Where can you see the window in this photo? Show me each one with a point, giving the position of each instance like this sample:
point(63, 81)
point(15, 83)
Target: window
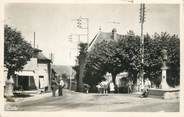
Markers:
point(41, 76)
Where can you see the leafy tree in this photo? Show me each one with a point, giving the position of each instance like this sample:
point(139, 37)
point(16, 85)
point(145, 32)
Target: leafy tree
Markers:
point(124, 55)
point(16, 51)
point(129, 53)
point(114, 56)
point(80, 67)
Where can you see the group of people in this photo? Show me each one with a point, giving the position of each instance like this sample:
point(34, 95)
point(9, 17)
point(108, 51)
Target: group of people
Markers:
point(104, 86)
point(57, 85)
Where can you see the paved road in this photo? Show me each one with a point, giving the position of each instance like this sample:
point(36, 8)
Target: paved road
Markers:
point(72, 101)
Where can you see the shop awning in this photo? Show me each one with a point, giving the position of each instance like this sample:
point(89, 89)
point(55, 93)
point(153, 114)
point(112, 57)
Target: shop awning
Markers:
point(122, 75)
point(25, 73)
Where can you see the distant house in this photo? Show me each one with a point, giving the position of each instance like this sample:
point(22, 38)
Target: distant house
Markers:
point(104, 36)
point(36, 74)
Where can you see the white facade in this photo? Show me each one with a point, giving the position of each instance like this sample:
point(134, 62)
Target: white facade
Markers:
point(43, 76)
point(34, 74)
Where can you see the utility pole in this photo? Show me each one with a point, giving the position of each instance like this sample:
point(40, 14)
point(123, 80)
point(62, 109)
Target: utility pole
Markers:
point(50, 69)
point(34, 41)
point(142, 20)
point(70, 37)
point(52, 57)
point(83, 23)
point(115, 23)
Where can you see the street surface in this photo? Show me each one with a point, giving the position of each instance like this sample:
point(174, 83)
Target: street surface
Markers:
point(74, 101)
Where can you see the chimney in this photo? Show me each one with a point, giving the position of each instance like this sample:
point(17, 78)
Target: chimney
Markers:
point(100, 29)
point(114, 34)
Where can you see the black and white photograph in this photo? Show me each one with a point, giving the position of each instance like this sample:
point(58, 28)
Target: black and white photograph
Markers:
point(74, 57)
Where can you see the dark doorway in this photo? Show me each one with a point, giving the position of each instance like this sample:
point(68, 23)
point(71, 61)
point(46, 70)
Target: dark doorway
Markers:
point(23, 82)
point(26, 83)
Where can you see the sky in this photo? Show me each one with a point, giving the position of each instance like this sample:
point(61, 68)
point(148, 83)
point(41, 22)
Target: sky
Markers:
point(53, 23)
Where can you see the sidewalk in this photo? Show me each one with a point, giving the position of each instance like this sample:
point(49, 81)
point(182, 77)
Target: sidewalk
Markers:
point(13, 105)
point(33, 97)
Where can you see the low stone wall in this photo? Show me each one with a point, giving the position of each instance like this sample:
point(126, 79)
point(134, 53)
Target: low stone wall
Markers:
point(165, 93)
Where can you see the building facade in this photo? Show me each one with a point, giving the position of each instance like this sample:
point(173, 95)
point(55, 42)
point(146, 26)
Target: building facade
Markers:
point(35, 76)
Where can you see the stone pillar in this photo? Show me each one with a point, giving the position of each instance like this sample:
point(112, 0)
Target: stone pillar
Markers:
point(164, 84)
point(9, 87)
point(164, 68)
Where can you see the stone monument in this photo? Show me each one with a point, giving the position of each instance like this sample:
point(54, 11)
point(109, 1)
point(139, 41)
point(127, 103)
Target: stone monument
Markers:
point(164, 68)
point(165, 91)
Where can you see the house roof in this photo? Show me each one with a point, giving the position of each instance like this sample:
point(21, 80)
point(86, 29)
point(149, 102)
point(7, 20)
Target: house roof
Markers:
point(40, 56)
point(107, 36)
point(37, 50)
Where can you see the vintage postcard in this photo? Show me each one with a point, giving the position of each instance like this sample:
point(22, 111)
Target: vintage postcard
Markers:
point(92, 56)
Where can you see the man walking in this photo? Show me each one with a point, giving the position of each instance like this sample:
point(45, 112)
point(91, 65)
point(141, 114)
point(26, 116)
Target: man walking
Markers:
point(130, 85)
point(146, 87)
point(61, 86)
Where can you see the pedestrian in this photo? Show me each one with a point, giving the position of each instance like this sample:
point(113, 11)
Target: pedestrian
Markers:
point(145, 92)
point(111, 87)
point(130, 85)
point(138, 85)
point(86, 88)
point(104, 85)
point(54, 86)
point(147, 85)
point(61, 86)
point(98, 88)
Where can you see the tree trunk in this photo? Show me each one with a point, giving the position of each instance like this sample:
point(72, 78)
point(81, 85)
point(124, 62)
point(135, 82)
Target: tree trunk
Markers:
point(77, 84)
point(81, 72)
point(114, 81)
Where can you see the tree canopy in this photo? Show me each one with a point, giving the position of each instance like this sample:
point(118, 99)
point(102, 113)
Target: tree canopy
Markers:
point(114, 57)
point(16, 50)
point(120, 55)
